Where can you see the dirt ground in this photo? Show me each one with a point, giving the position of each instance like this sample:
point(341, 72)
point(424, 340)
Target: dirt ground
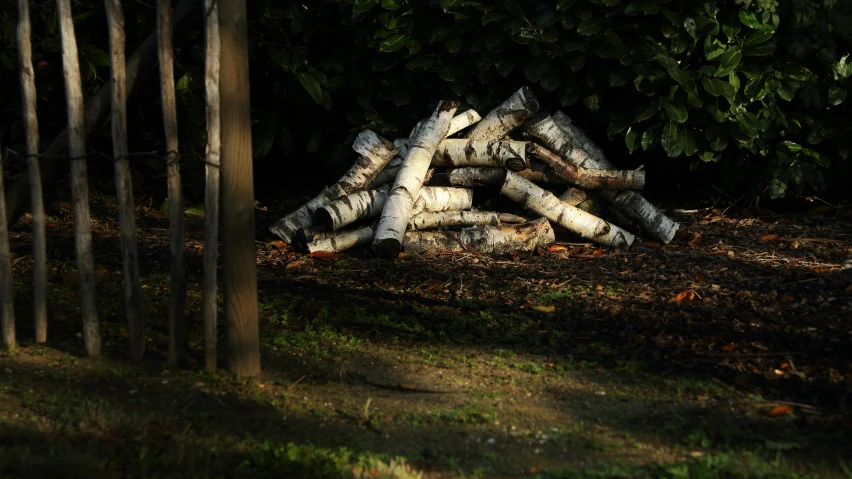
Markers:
point(727, 353)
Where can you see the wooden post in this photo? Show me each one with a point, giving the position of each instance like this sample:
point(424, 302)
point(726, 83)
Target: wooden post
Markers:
point(177, 290)
point(28, 95)
point(79, 181)
point(239, 269)
point(211, 196)
point(7, 305)
point(123, 183)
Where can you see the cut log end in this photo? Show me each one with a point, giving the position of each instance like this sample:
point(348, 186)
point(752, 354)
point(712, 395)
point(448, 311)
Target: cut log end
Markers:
point(387, 248)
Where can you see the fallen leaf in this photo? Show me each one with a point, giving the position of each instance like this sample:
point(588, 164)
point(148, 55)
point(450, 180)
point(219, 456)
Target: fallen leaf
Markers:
point(545, 309)
point(278, 244)
point(409, 386)
point(787, 298)
point(532, 470)
point(780, 410)
point(652, 244)
point(324, 255)
point(296, 264)
point(770, 237)
point(558, 248)
point(729, 347)
point(685, 296)
point(598, 252)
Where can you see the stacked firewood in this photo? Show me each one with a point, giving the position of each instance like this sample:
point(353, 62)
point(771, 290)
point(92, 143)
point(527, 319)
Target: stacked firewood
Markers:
point(415, 194)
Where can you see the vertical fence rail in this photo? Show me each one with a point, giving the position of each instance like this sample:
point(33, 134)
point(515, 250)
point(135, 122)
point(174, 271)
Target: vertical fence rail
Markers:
point(28, 96)
point(211, 197)
point(7, 305)
point(79, 182)
point(123, 182)
point(177, 292)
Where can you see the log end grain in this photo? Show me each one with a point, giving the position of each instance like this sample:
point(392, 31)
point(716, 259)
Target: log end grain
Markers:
point(387, 248)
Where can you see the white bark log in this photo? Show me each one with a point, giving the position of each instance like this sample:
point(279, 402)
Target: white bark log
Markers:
point(632, 204)
point(370, 203)
point(388, 175)
point(483, 238)
point(178, 339)
point(342, 241)
point(575, 220)
point(28, 97)
point(573, 196)
point(7, 303)
point(389, 234)
point(124, 183)
point(427, 220)
point(462, 121)
point(469, 177)
point(578, 138)
point(511, 114)
point(586, 178)
point(209, 305)
point(79, 181)
point(508, 154)
point(376, 154)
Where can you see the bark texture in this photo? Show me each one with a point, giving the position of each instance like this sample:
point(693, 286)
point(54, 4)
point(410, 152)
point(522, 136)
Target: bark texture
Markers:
point(79, 181)
point(389, 233)
point(177, 290)
point(124, 184)
point(376, 152)
point(511, 114)
point(462, 121)
point(539, 172)
point(469, 177)
point(7, 303)
point(209, 307)
point(28, 97)
point(339, 242)
point(508, 154)
point(483, 238)
point(97, 106)
point(239, 255)
point(632, 204)
point(429, 220)
point(573, 219)
point(586, 178)
point(573, 196)
point(442, 198)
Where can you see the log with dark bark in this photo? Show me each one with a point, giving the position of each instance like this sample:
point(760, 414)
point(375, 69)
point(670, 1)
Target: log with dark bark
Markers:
point(469, 176)
point(124, 184)
point(389, 234)
point(632, 204)
point(79, 181)
point(97, 107)
point(483, 238)
point(586, 178)
point(28, 97)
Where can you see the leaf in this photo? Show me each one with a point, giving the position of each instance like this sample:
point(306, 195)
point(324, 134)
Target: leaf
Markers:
point(295, 264)
point(390, 4)
point(590, 27)
point(592, 102)
point(322, 255)
point(670, 140)
point(393, 43)
point(677, 113)
point(687, 137)
point(455, 44)
point(729, 61)
point(713, 48)
point(312, 85)
point(182, 84)
point(772, 237)
point(515, 9)
point(630, 139)
point(718, 87)
point(780, 410)
point(836, 95)
point(685, 296)
point(651, 137)
point(545, 309)
point(278, 244)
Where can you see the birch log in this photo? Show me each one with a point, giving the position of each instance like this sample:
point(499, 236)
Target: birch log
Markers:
point(79, 182)
point(7, 303)
point(28, 96)
point(511, 114)
point(209, 307)
point(387, 175)
point(376, 152)
point(579, 139)
point(469, 177)
point(177, 289)
point(124, 183)
point(483, 238)
point(459, 123)
point(508, 154)
point(575, 220)
point(338, 242)
point(370, 203)
point(586, 178)
point(538, 172)
point(428, 219)
point(391, 229)
point(632, 204)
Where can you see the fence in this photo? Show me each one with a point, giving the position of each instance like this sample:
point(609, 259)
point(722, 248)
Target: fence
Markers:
point(242, 341)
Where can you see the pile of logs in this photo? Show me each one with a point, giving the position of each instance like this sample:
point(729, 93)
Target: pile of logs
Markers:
point(415, 194)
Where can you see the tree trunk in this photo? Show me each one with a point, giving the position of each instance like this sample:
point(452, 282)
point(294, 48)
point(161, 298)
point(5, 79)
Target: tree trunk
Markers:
point(7, 299)
point(177, 287)
point(124, 183)
point(209, 304)
point(239, 255)
point(79, 182)
point(586, 178)
point(397, 211)
point(28, 95)
point(632, 204)
point(506, 117)
point(428, 219)
point(18, 196)
point(575, 220)
point(376, 152)
point(483, 238)
point(508, 154)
